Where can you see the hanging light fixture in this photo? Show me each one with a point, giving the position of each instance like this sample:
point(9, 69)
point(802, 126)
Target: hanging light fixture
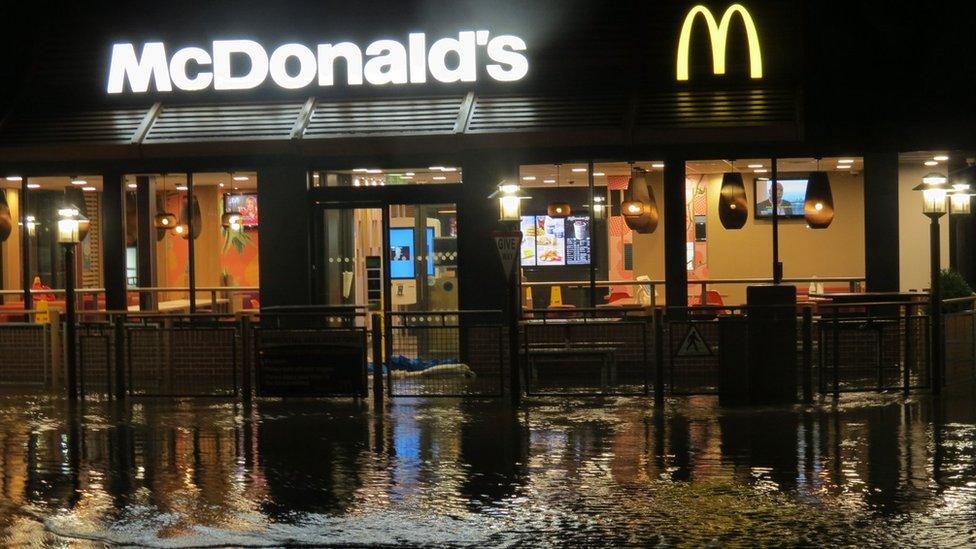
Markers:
point(164, 220)
point(733, 210)
point(640, 207)
point(558, 209)
point(74, 197)
point(231, 221)
point(191, 207)
point(818, 205)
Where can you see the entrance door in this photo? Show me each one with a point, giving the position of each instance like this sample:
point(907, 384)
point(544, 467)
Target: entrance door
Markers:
point(349, 258)
point(423, 257)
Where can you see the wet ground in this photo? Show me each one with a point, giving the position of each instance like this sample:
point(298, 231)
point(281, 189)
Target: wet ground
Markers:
point(872, 470)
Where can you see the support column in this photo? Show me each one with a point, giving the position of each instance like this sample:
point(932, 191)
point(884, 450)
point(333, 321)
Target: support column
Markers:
point(146, 242)
point(675, 247)
point(285, 266)
point(881, 269)
point(113, 241)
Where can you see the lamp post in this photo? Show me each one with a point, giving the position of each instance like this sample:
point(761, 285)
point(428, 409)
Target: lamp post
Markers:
point(69, 236)
point(935, 189)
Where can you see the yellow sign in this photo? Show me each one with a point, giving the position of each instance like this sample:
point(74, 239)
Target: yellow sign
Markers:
point(43, 315)
point(718, 33)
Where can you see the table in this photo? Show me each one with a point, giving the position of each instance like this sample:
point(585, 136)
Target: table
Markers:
point(183, 305)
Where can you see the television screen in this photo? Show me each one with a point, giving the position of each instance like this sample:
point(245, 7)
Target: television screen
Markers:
point(792, 190)
point(244, 204)
point(402, 253)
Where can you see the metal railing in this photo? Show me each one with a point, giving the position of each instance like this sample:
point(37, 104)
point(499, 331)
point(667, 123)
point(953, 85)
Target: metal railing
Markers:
point(854, 284)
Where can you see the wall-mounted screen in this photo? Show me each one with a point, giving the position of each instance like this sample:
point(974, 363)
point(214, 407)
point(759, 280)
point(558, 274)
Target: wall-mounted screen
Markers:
point(403, 253)
point(244, 204)
point(555, 241)
point(792, 193)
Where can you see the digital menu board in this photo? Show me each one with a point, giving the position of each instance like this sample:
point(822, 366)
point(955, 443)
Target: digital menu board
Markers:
point(577, 240)
point(554, 241)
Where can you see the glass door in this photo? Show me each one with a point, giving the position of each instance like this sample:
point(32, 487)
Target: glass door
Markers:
point(423, 257)
point(349, 258)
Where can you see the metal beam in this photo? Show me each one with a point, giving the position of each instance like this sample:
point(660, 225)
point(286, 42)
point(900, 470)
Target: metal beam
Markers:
point(147, 122)
point(304, 117)
point(464, 113)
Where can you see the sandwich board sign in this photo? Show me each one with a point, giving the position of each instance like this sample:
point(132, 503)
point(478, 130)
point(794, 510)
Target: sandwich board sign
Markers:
point(508, 244)
point(694, 344)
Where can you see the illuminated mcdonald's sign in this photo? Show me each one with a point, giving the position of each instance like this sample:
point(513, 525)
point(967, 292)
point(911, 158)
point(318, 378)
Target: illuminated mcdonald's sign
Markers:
point(718, 33)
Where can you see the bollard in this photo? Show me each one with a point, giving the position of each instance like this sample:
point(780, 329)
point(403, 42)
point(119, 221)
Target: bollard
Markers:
point(658, 358)
point(377, 332)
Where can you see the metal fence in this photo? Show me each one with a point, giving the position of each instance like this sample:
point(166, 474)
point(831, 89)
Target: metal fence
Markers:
point(586, 351)
point(25, 354)
point(445, 353)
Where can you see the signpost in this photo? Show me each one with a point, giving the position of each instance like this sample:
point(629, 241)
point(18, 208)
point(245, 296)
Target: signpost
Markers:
point(508, 244)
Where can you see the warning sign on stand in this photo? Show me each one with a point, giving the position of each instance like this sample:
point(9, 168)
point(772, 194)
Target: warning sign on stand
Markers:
point(508, 244)
point(694, 344)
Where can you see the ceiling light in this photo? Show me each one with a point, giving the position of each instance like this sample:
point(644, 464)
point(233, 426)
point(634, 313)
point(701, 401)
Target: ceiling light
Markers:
point(448, 169)
point(14, 178)
point(240, 178)
point(844, 166)
point(374, 171)
point(761, 170)
point(528, 178)
point(407, 177)
point(78, 182)
point(845, 161)
point(360, 170)
point(657, 165)
point(183, 187)
point(940, 158)
point(315, 175)
point(931, 163)
point(221, 185)
point(579, 170)
point(754, 166)
point(435, 168)
point(33, 185)
point(598, 174)
point(409, 174)
point(89, 189)
point(548, 180)
point(439, 178)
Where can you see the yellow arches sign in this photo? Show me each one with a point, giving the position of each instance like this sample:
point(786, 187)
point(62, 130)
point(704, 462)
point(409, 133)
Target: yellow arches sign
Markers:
point(718, 33)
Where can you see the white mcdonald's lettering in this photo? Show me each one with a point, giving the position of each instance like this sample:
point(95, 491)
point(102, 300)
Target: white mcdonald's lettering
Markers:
point(718, 33)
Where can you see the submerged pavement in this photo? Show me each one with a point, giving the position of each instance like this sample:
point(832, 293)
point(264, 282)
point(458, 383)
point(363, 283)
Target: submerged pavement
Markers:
point(870, 470)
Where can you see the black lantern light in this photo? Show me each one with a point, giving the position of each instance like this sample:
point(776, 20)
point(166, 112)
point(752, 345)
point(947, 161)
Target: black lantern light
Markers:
point(818, 205)
point(733, 210)
point(640, 208)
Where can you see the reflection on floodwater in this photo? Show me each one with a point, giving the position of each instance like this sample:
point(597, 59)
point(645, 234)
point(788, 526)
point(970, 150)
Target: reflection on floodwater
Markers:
point(873, 470)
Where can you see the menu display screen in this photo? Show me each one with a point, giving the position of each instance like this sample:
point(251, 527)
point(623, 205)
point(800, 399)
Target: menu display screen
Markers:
point(577, 240)
point(553, 241)
point(402, 253)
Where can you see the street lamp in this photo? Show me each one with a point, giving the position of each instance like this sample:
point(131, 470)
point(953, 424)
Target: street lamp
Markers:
point(509, 202)
point(69, 235)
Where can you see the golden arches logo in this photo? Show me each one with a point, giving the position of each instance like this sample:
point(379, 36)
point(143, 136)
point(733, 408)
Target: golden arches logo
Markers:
point(718, 33)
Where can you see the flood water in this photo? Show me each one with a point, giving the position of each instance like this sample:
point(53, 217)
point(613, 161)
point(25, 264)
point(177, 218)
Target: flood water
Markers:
point(872, 470)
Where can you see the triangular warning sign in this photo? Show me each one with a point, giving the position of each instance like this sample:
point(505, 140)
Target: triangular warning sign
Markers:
point(694, 344)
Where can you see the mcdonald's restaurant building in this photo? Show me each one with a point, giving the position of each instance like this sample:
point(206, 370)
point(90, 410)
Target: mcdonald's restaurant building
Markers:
point(324, 153)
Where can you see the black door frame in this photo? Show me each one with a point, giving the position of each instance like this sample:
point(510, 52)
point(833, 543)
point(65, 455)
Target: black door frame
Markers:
point(350, 198)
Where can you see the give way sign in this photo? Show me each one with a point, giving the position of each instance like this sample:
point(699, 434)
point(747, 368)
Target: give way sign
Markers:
point(508, 244)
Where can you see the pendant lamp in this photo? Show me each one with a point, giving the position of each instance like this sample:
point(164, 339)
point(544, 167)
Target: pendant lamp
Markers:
point(185, 212)
point(640, 208)
point(733, 210)
point(561, 208)
point(231, 221)
point(818, 205)
point(164, 220)
point(6, 222)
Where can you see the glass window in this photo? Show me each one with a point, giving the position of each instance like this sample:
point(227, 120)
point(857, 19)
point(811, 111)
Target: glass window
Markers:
point(377, 177)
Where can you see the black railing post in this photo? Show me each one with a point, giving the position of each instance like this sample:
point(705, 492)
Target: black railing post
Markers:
point(807, 355)
point(377, 333)
point(659, 358)
point(118, 325)
point(836, 352)
point(906, 379)
point(246, 355)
